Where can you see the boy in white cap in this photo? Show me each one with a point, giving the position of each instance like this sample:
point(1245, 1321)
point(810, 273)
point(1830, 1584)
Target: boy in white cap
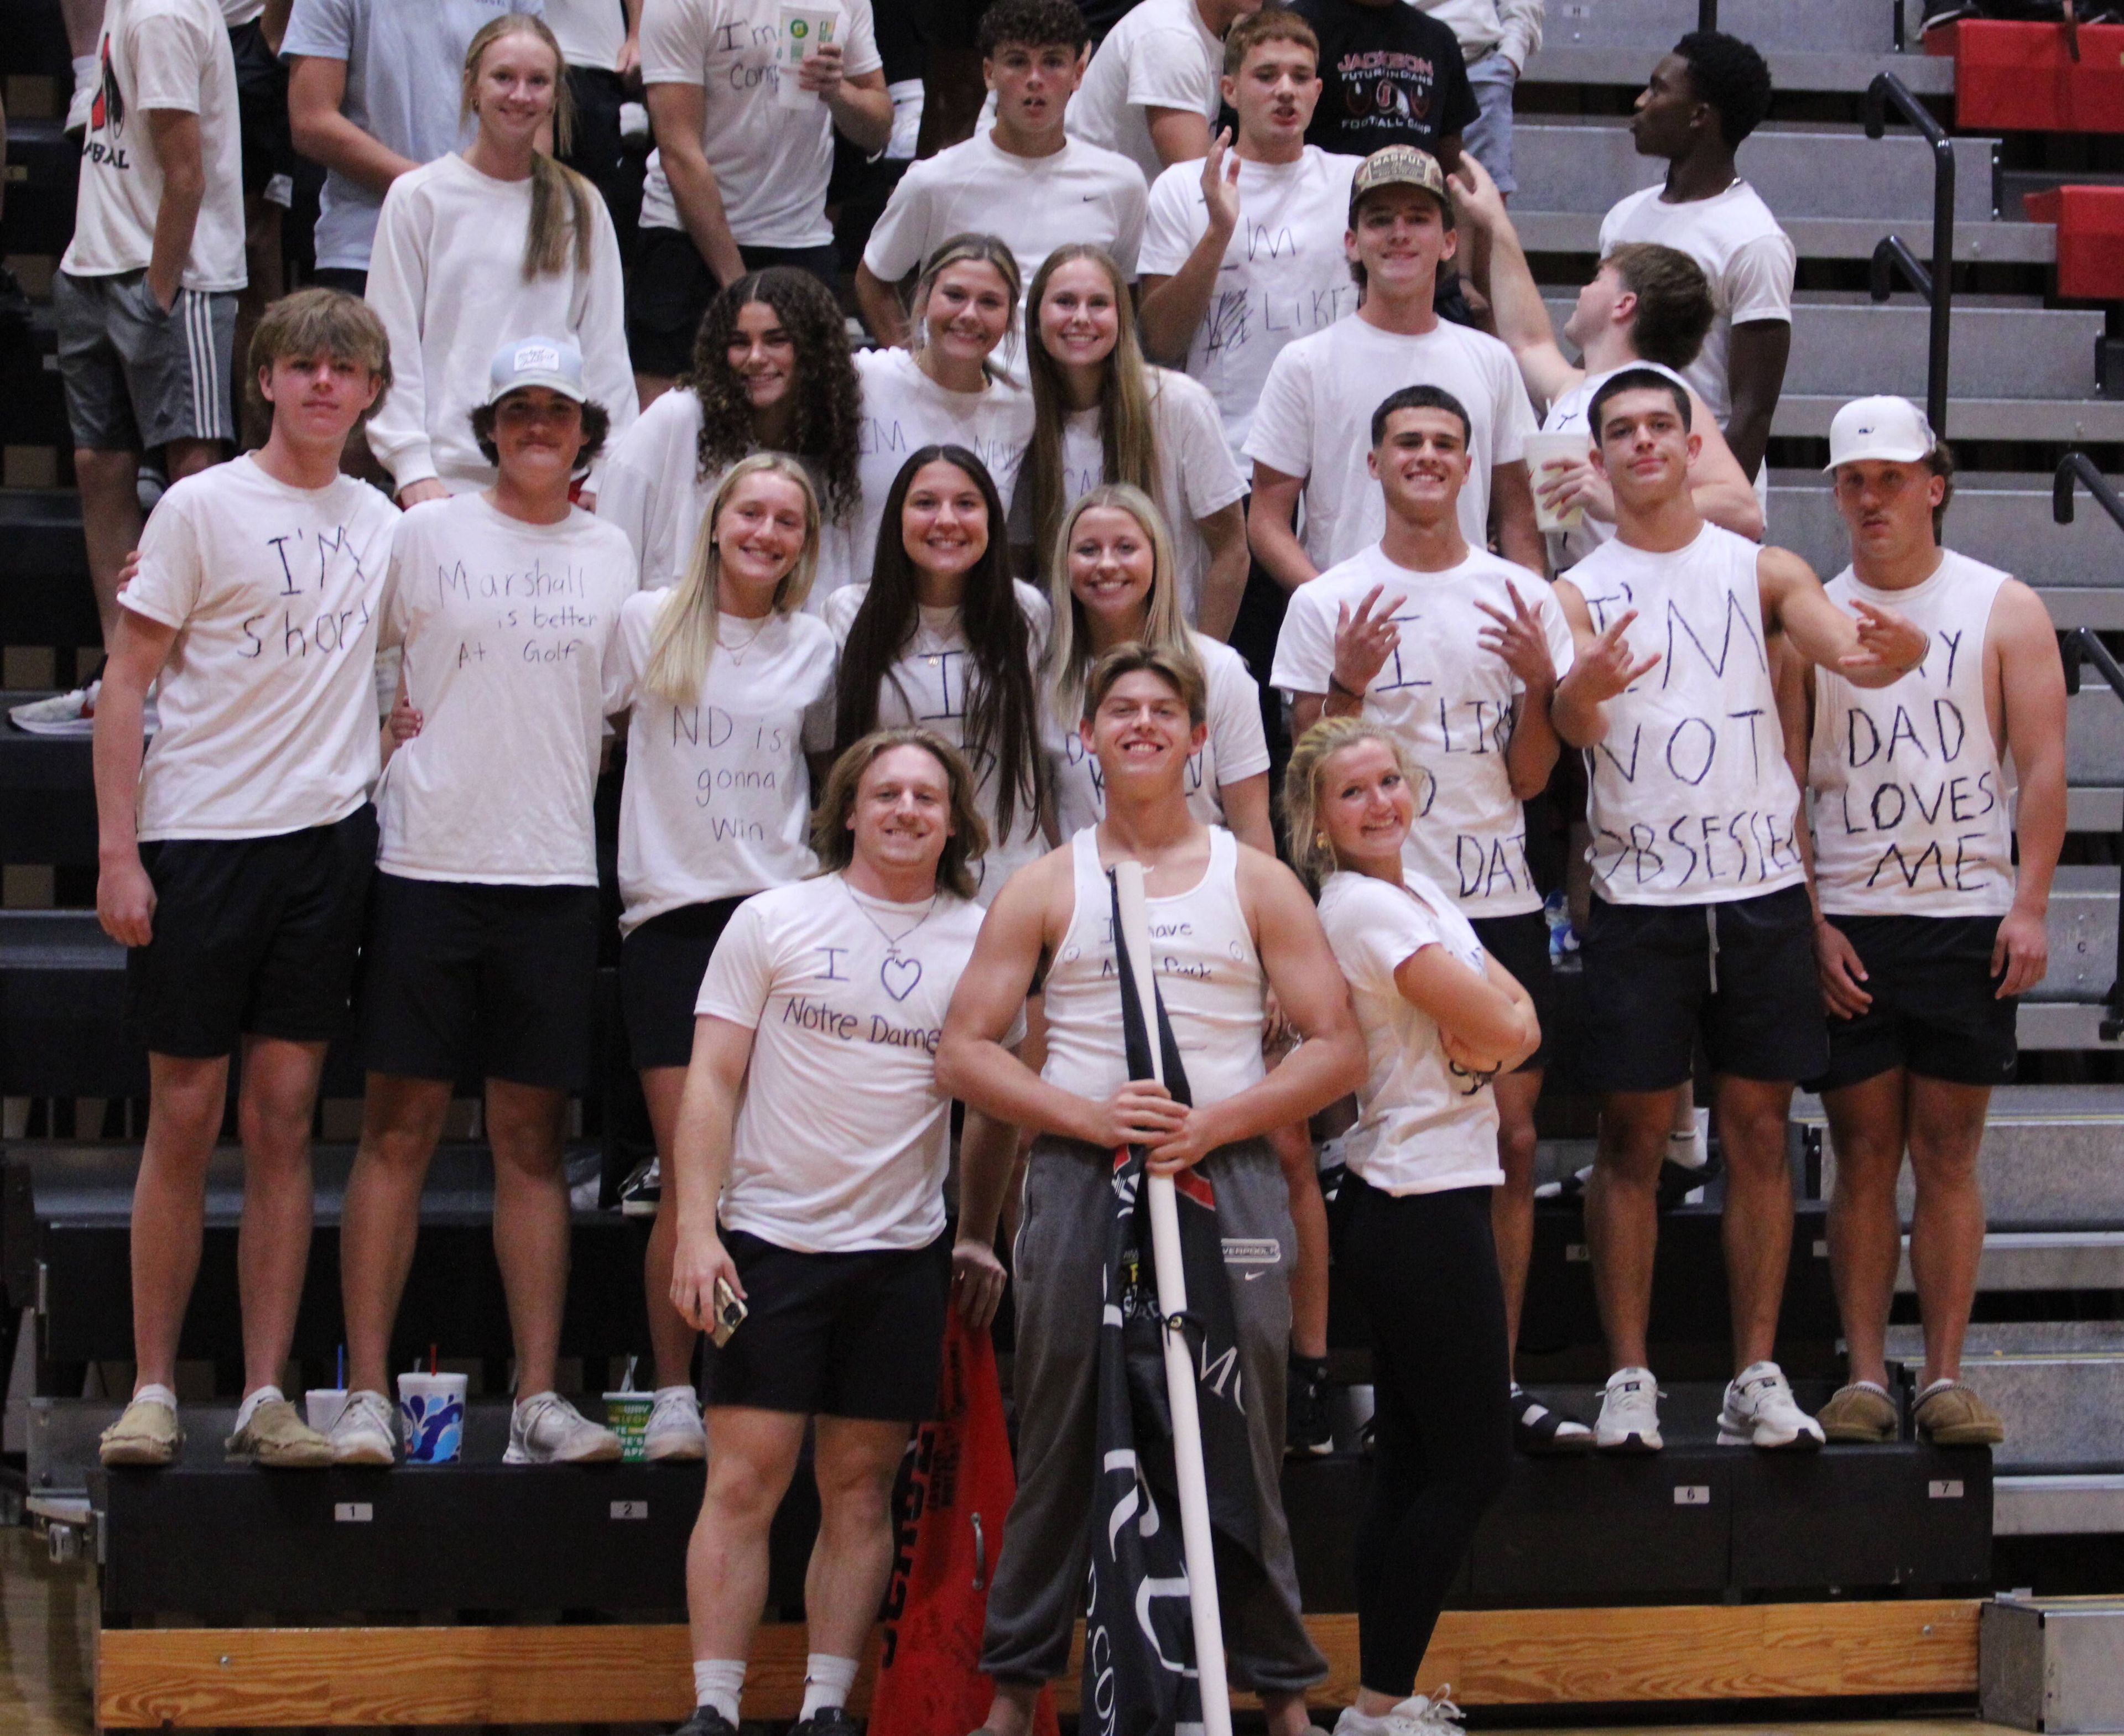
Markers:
point(1924, 932)
point(483, 932)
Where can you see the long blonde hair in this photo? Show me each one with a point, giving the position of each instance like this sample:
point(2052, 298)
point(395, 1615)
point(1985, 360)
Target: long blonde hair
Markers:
point(1164, 628)
point(560, 208)
point(987, 250)
point(685, 640)
point(833, 841)
point(1311, 853)
point(1128, 436)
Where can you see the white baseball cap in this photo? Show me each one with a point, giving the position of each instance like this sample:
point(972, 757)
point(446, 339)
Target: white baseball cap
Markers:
point(1893, 431)
point(554, 362)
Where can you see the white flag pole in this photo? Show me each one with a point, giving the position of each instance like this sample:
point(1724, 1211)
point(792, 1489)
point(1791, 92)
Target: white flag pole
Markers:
point(1195, 1532)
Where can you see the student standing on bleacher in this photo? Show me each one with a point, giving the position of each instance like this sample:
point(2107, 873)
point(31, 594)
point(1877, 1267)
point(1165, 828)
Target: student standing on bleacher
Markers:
point(1311, 437)
point(739, 180)
point(146, 293)
point(236, 861)
point(1151, 91)
point(1390, 75)
point(1700, 925)
point(493, 244)
point(480, 958)
point(1497, 39)
point(1928, 928)
point(374, 91)
point(1702, 100)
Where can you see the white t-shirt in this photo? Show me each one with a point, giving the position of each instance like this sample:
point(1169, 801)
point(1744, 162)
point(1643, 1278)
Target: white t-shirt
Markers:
point(1196, 474)
point(1749, 259)
point(509, 630)
point(650, 485)
point(1450, 703)
point(591, 32)
point(772, 163)
point(1160, 55)
point(716, 803)
point(268, 699)
point(1035, 204)
point(170, 54)
point(404, 87)
point(843, 1136)
point(1568, 415)
point(905, 411)
point(1284, 276)
point(1315, 421)
point(928, 686)
point(1423, 1124)
point(1237, 747)
point(446, 278)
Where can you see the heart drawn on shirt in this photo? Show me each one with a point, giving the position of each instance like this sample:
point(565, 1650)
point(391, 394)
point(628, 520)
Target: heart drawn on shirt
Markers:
point(900, 976)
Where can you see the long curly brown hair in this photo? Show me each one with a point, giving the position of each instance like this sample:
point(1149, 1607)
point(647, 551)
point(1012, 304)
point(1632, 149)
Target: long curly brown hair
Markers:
point(829, 419)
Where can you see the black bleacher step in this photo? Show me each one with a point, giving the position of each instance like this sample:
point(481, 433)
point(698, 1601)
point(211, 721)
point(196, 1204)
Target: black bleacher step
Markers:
point(44, 594)
point(62, 998)
point(47, 802)
point(44, 167)
point(32, 398)
point(1697, 1520)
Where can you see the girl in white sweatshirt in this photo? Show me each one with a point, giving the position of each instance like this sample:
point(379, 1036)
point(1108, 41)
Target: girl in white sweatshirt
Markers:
point(474, 248)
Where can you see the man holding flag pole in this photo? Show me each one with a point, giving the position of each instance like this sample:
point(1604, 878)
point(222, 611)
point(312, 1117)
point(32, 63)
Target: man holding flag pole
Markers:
point(1100, 1444)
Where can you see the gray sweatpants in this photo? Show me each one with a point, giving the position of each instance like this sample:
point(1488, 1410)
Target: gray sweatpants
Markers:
point(1038, 1591)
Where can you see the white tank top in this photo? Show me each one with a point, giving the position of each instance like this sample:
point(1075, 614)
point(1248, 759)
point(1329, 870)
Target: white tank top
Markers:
point(1692, 801)
point(1208, 971)
point(1911, 814)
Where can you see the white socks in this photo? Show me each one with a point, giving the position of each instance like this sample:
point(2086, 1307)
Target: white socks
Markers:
point(155, 1393)
point(827, 1680)
point(249, 1408)
point(717, 1681)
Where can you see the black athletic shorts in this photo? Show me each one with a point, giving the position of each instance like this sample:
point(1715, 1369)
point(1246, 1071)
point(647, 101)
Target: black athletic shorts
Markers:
point(661, 963)
point(1521, 944)
point(1936, 1009)
point(836, 1335)
point(671, 287)
point(462, 980)
point(261, 112)
point(253, 936)
point(1741, 974)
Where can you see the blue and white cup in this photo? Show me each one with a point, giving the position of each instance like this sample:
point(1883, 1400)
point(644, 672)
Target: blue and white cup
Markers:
point(431, 1410)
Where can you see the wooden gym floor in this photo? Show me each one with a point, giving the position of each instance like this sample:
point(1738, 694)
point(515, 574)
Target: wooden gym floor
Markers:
point(47, 1645)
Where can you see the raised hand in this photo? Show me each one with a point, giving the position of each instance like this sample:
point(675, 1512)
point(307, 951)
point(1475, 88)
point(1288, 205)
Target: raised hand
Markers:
point(1476, 199)
point(1221, 184)
point(1363, 642)
point(1605, 667)
point(1519, 639)
point(1887, 640)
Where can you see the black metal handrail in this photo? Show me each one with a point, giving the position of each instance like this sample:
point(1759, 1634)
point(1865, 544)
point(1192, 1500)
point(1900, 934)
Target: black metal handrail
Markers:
point(1707, 15)
point(1937, 284)
point(2082, 645)
point(2076, 466)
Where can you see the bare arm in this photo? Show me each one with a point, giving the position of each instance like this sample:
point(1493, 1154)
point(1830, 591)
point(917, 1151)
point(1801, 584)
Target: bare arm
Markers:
point(1754, 376)
point(861, 106)
point(125, 896)
point(1173, 307)
point(879, 304)
point(1504, 276)
point(1224, 579)
point(630, 51)
point(173, 134)
point(701, 1164)
point(1180, 135)
point(1720, 489)
point(1602, 667)
point(1872, 647)
point(1483, 1012)
point(677, 112)
point(1519, 639)
point(1511, 510)
point(1246, 812)
point(316, 89)
point(273, 22)
point(2032, 702)
point(1271, 515)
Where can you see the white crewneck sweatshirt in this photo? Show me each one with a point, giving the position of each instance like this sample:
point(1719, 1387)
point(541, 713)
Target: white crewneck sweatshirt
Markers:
point(446, 279)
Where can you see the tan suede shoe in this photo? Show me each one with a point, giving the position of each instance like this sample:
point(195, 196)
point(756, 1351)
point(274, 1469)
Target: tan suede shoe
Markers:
point(277, 1437)
point(146, 1435)
point(1859, 1416)
point(1949, 1414)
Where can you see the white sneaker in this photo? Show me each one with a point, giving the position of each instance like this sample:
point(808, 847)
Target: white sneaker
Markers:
point(1759, 1411)
point(545, 1429)
point(675, 1430)
point(63, 714)
point(1420, 1715)
point(1629, 1413)
point(367, 1431)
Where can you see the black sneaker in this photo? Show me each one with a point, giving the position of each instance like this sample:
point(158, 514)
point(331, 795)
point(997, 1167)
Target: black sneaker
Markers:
point(1308, 1432)
point(640, 1194)
point(1543, 1432)
point(706, 1721)
point(828, 1720)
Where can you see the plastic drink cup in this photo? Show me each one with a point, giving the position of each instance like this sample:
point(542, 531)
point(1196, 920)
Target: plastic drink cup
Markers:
point(322, 1405)
point(431, 1410)
point(627, 1415)
point(804, 30)
point(1546, 449)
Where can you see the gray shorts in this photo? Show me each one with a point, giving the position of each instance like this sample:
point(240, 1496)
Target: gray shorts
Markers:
point(137, 377)
point(1489, 136)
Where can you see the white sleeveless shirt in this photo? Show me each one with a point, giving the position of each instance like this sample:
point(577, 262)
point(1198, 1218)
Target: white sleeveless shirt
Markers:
point(1911, 808)
point(1692, 802)
point(1208, 973)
